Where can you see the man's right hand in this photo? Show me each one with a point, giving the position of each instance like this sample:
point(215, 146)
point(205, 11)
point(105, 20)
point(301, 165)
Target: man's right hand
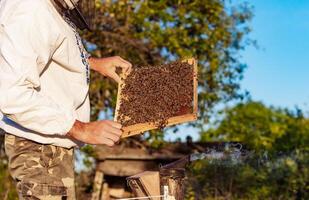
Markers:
point(99, 132)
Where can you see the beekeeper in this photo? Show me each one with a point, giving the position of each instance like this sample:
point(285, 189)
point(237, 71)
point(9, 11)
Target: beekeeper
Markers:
point(44, 83)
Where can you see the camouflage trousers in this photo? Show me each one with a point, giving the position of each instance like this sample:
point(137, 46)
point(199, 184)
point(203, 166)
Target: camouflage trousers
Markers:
point(41, 172)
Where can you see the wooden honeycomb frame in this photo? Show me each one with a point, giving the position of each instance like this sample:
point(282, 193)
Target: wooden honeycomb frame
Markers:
point(142, 127)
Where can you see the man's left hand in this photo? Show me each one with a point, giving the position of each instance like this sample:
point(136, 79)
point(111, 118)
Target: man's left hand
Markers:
point(107, 66)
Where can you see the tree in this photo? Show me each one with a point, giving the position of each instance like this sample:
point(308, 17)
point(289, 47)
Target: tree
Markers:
point(150, 32)
point(7, 186)
point(262, 128)
point(278, 169)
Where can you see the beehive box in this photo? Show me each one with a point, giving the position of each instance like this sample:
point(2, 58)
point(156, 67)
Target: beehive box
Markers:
point(154, 97)
point(144, 184)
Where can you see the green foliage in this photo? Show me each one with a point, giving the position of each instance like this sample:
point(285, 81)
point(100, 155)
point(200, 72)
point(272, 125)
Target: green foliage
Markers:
point(149, 32)
point(280, 177)
point(262, 128)
point(279, 167)
point(89, 155)
point(7, 187)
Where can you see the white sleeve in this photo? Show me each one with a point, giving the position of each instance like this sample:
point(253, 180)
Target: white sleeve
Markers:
point(27, 42)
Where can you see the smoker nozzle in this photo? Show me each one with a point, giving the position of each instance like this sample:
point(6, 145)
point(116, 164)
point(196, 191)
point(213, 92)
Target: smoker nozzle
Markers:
point(210, 155)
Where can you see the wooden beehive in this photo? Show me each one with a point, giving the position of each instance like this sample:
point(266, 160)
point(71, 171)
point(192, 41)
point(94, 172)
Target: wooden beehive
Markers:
point(142, 127)
point(145, 184)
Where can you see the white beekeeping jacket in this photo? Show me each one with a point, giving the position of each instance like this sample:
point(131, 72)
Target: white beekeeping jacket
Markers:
point(44, 73)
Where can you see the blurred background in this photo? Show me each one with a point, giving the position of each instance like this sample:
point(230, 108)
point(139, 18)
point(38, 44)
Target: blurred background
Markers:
point(253, 96)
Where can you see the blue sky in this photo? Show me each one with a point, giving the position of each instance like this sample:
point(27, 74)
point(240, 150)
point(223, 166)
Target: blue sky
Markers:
point(278, 72)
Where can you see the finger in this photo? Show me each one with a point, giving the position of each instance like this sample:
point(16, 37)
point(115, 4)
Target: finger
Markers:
point(125, 67)
point(125, 61)
point(105, 139)
point(108, 142)
point(111, 136)
point(129, 67)
point(115, 77)
point(114, 124)
point(128, 71)
point(114, 131)
point(113, 128)
point(123, 64)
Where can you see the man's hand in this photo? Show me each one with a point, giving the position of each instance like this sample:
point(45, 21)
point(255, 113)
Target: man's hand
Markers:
point(100, 132)
point(107, 66)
